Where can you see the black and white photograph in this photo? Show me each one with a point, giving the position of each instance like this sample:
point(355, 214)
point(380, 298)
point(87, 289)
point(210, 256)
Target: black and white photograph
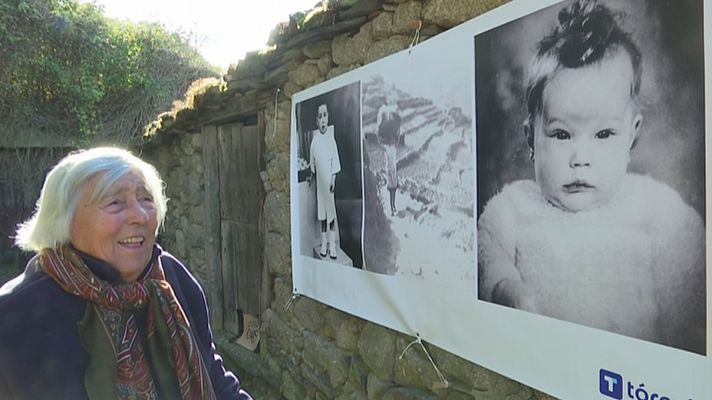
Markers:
point(329, 176)
point(590, 147)
point(533, 195)
point(418, 169)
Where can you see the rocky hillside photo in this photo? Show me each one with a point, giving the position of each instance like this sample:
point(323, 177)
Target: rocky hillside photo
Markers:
point(434, 226)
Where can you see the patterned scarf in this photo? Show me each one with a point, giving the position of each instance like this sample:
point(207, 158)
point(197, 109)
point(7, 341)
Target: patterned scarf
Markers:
point(170, 365)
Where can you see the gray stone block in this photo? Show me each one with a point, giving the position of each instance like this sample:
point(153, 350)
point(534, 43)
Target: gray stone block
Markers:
point(377, 347)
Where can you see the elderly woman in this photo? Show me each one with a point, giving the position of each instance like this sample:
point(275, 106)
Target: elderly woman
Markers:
point(102, 312)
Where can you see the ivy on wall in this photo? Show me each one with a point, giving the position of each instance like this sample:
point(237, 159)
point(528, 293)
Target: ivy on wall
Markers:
point(66, 68)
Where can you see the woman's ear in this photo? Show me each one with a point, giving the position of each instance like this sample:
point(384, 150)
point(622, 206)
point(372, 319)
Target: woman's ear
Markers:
point(637, 124)
point(528, 131)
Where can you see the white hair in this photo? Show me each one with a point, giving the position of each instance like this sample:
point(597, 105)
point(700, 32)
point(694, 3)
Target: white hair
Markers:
point(54, 212)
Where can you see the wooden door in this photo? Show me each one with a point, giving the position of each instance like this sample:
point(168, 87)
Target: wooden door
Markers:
point(234, 195)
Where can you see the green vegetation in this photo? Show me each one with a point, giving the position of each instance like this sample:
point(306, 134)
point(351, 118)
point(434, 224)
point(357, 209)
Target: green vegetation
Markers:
point(67, 70)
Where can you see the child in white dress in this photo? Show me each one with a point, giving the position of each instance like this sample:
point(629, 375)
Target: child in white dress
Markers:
point(325, 163)
point(588, 242)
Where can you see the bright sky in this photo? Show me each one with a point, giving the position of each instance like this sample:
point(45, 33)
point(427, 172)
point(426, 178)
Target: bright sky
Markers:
point(225, 29)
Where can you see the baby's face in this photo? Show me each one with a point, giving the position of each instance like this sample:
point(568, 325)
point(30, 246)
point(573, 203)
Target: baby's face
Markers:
point(322, 118)
point(583, 138)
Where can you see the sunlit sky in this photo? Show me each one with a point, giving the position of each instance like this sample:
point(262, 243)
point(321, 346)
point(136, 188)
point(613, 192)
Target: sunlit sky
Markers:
point(224, 29)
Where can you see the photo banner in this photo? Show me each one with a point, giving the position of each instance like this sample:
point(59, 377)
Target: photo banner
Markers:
point(526, 190)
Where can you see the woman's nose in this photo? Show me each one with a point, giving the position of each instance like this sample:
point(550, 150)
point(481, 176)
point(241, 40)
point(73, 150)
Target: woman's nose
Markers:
point(138, 213)
point(581, 155)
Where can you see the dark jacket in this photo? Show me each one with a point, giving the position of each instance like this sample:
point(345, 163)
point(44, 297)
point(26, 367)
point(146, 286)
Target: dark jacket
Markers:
point(41, 354)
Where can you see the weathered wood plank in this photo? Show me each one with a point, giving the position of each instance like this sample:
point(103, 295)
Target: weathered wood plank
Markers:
point(249, 269)
point(225, 159)
point(266, 294)
point(248, 206)
point(212, 225)
point(230, 256)
point(249, 203)
point(240, 174)
point(229, 187)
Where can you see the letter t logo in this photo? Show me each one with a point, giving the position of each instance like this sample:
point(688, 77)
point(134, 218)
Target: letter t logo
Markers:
point(610, 384)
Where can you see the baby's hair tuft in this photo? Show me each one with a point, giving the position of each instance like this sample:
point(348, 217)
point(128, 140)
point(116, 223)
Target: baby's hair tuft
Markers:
point(587, 32)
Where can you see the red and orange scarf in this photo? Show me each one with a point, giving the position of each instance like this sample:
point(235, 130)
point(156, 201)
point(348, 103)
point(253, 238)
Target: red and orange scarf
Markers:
point(170, 364)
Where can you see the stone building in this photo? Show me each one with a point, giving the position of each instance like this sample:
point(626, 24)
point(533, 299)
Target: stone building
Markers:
point(237, 242)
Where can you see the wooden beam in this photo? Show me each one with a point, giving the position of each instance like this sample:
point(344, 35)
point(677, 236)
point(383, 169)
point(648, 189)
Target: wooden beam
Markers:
point(212, 225)
point(266, 294)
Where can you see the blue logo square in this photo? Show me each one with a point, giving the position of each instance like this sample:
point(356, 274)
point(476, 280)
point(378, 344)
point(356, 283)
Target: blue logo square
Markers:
point(610, 384)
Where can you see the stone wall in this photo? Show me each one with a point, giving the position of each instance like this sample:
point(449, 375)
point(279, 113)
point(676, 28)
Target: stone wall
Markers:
point(180, 163)
point(309, 350)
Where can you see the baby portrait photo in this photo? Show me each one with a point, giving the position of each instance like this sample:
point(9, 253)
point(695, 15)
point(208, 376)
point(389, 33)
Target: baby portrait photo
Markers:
point(329, 176)
point(590, 151)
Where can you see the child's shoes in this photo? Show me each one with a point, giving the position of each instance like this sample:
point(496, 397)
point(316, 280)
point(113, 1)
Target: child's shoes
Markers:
point(322, 250)
point(333, 250)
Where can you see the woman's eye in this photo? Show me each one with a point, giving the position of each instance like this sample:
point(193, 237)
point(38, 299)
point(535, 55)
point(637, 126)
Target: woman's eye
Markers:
point(560, 135)
point(604, 134)
point(113, 205)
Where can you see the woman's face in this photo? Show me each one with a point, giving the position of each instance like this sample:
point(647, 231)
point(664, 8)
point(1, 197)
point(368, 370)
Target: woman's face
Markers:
point(119, 228)
point(582, 141)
